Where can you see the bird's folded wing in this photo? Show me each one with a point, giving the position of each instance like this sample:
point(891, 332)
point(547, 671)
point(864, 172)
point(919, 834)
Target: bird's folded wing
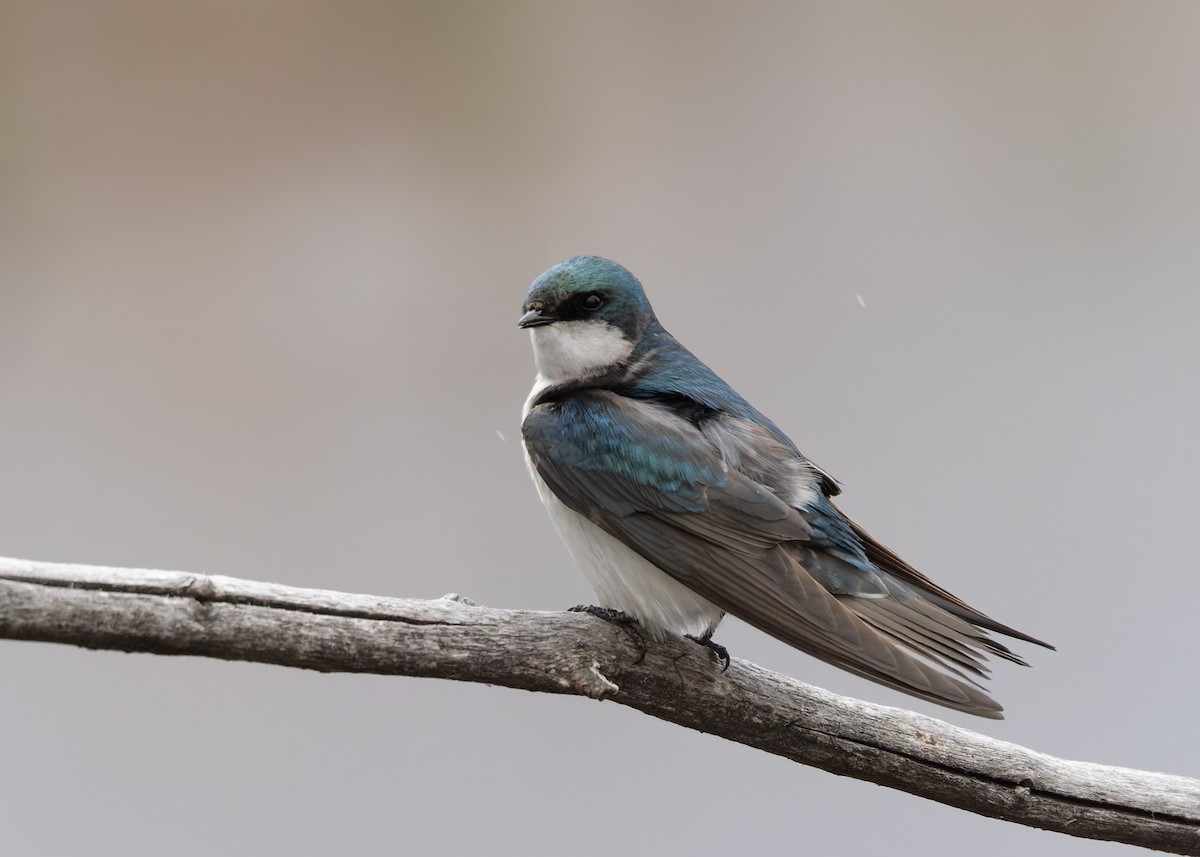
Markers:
point(652, 480)
point(884, 558)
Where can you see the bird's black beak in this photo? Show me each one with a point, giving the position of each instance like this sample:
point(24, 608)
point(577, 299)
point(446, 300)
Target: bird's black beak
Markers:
point(535, 318)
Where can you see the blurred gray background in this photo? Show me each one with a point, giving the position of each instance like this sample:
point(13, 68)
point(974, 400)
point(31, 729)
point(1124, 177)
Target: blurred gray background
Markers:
point(260, 273)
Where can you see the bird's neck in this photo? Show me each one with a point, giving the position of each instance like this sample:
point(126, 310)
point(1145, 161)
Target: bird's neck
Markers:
point(658, 366)
point(573, 351)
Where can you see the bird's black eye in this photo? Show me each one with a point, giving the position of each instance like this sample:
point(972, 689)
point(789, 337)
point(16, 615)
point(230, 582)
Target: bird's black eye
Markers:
point(593, 302)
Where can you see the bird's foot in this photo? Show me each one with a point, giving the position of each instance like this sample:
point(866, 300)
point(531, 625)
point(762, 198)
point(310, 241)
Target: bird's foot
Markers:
point(722, 653)
point(617, 617)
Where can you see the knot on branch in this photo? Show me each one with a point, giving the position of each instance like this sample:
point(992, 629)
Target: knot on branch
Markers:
point(461, 599)
point(593, 683)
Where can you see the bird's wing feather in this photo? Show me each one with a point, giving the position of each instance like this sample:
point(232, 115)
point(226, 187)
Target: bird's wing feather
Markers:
point(653, 481)
point(886, 559)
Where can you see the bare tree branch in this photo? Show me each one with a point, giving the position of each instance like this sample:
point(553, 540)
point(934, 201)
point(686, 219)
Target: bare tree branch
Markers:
point(174, 613)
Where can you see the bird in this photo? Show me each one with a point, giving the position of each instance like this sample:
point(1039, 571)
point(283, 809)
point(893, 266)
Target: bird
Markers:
point(682, 503)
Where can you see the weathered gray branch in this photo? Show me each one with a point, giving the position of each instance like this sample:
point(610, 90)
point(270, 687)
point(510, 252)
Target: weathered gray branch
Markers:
point(221, 617)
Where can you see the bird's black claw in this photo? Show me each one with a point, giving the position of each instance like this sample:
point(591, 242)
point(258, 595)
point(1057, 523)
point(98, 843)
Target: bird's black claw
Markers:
point(617, 617)
point(608, 614)
point(717, 649)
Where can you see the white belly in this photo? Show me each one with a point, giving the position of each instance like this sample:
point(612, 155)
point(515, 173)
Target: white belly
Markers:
point(621, 578)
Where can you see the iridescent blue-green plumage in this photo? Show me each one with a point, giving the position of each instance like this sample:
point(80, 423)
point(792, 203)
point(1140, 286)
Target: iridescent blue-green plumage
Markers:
point(629, 433)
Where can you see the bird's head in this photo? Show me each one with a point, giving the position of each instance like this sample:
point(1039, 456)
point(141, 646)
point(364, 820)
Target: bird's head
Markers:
point(586, 315)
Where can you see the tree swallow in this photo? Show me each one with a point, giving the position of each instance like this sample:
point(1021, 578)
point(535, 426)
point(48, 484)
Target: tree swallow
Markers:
point(681, 503)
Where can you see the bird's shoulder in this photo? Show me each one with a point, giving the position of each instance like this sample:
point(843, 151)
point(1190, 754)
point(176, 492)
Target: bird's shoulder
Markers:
point(661, 406)
point(598, 429)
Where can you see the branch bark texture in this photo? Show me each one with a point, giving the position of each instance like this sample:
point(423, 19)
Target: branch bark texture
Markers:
point(175, 613)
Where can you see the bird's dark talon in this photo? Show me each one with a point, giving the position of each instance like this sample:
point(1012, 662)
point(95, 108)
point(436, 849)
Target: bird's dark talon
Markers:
point(617, 617)
point(608, 614)
point(717, 649)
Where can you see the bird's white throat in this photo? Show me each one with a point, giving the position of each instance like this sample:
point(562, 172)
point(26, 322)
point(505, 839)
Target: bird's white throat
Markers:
point(569, 350)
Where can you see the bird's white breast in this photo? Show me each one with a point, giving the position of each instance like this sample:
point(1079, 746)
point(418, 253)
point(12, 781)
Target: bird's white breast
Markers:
point(621, 578)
